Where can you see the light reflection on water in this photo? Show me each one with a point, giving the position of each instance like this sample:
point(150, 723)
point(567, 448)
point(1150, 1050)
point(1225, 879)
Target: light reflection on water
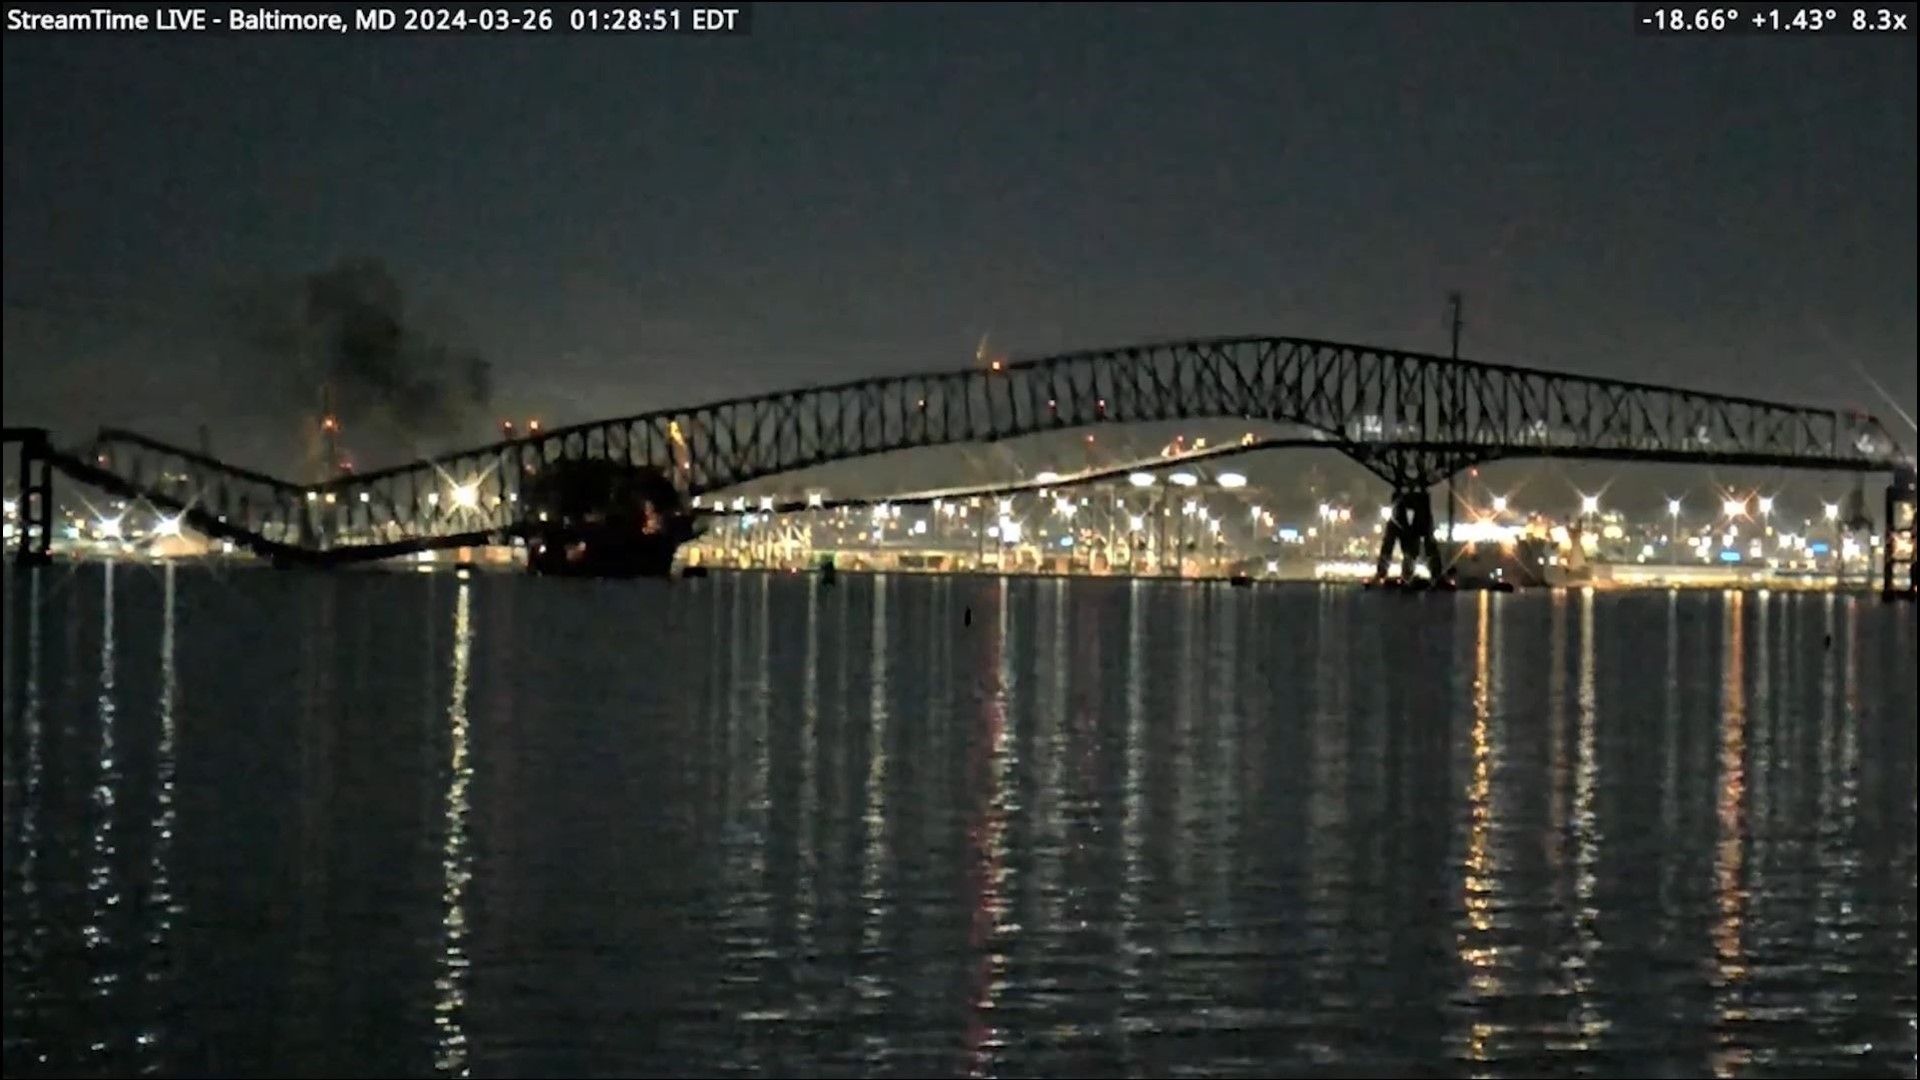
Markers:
point(450, 987)
point(273, 824)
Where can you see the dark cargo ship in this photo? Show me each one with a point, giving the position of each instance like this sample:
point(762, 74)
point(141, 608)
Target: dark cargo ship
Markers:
point(599, 518)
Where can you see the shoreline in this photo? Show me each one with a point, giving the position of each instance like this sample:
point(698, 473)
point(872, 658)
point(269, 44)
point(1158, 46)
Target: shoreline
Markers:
point(1864, 587)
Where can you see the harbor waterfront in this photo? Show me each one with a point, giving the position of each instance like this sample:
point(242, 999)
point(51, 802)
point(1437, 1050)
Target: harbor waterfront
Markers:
point(425, 824)
point(879, 540)
point(1221, 529)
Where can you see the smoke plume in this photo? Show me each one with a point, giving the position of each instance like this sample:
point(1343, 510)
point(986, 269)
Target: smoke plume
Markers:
point(346, 332)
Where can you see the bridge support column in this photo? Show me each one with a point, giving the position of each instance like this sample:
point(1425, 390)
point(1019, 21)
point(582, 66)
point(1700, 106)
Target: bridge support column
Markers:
point(1411, 528)
point(1897, 556)
point(33, 535)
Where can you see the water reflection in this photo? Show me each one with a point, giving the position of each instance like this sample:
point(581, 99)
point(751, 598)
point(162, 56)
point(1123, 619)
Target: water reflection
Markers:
point(869, 983)
point(1588, 1019)
point(807, 885)
point(756, 826)
point(102, 888)
point(456, 858)
point(1730, 852)
point(1134, 992)
point(162, 905)
point(988, 908)
point(26, 942)
point(1480, 872)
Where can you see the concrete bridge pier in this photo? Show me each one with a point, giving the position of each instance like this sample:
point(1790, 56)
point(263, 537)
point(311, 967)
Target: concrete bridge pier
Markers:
point(1411, 529)
point(1897, 547)
point(33, 537)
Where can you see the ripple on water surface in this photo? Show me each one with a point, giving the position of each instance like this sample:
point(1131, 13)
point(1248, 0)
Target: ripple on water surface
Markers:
point(283, 824)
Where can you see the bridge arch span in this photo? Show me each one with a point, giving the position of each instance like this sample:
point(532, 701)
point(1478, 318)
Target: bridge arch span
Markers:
point(1412, 418)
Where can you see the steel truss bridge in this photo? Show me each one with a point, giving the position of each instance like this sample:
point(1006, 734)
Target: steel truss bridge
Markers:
point(1411, 418)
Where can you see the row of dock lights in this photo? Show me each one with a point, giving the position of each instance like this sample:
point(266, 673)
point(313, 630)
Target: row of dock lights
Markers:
point(463, 496)
point(114, 528)
point(1228, 480)
point(1731, 507)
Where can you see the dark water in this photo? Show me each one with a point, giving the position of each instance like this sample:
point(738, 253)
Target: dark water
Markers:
point(276, 824)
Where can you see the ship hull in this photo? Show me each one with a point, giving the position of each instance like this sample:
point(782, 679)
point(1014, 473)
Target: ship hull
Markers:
point(644, 557)
point(604, 519)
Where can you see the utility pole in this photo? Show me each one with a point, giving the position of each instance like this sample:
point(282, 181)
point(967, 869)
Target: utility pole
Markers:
point(1453, 414)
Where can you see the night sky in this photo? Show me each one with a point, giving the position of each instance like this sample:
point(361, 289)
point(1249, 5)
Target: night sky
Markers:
point(631, 224)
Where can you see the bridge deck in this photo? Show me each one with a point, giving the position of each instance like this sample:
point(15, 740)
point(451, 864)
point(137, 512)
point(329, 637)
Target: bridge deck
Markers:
point(1411, 418)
